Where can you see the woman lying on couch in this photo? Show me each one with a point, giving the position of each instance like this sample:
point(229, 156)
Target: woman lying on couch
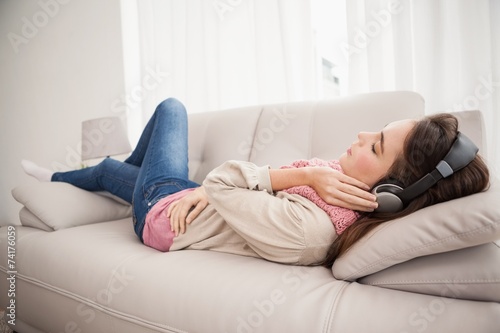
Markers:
point(283, 215)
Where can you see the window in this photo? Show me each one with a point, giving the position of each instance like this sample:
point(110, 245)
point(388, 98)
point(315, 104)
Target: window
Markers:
point(330, 31)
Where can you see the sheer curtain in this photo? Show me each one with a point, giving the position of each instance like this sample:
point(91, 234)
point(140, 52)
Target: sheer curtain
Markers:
point(447, 50)
point(226, 53)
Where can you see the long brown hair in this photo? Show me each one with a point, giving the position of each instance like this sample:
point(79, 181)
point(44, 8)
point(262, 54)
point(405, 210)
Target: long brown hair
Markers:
point(426, 144)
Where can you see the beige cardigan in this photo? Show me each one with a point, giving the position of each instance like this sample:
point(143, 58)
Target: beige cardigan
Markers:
point(245, 217)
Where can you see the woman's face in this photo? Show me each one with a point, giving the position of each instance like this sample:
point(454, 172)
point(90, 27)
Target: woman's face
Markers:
point(370, 157)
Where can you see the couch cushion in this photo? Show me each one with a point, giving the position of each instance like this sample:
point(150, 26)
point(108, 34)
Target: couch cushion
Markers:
point(61, 205)
point(472, 273)
point(444, 227)
point(218, 136)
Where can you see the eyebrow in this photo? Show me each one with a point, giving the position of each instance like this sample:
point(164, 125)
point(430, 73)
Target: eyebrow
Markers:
point(382, 141)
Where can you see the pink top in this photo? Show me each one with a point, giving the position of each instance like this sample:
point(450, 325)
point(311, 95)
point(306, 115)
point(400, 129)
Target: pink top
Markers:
point(157, 233)
point(341, 218)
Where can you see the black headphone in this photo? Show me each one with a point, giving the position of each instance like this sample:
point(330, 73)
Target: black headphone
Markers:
point(392, 198)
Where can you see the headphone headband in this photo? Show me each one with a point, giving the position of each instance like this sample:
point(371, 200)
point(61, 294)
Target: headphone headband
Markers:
point(462, 152)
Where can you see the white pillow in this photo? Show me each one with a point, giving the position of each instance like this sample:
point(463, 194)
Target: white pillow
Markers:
point(60, 205)
point(452, 225)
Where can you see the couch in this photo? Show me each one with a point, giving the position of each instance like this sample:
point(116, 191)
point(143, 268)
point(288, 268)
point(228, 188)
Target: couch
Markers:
point(77, 265)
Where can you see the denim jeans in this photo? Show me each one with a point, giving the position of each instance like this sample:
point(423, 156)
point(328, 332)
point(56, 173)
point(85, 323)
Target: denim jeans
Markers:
point(157, 167)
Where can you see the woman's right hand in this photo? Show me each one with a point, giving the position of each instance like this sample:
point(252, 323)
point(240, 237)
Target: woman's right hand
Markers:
point(338, 189)
point(185, 210)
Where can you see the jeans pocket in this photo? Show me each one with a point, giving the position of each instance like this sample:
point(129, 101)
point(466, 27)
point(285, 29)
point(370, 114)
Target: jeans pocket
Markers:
point(155, 192)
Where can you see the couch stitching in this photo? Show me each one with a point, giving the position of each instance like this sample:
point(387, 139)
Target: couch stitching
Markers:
point(96, 306)
point(402, 282)
point(257, 126)
point(329, 322)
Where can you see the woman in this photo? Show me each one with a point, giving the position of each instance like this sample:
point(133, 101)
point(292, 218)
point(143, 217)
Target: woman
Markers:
point(275, 214)
point(425, 146)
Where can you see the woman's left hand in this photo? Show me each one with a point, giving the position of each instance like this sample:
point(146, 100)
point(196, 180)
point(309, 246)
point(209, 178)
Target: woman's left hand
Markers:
point(340, 190)
point(185, 210)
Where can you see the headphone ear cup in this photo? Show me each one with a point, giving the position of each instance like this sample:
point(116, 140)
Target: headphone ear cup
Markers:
point(388, 198)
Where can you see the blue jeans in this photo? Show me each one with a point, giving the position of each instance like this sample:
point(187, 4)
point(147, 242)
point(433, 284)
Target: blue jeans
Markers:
point(157, 167)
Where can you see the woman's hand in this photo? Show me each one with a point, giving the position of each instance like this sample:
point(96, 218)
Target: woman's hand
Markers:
point(341, 190)
point(185, 210)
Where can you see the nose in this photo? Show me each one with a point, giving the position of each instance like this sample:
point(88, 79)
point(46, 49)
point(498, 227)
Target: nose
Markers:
point(365, 136)
point(362, 136)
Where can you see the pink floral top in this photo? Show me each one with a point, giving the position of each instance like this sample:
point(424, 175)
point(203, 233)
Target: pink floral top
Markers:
point(341, 218)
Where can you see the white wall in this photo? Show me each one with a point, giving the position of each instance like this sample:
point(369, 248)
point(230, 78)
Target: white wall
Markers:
point(64, 66)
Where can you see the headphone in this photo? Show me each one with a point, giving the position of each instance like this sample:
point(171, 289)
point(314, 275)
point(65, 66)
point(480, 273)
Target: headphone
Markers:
point(392, 198)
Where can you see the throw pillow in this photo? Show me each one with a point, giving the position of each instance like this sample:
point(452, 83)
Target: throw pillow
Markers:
point(448, 226)
point(61, 205)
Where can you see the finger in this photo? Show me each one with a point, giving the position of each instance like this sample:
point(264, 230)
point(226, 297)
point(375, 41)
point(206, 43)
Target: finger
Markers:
point(356, 207)
point(354, 187)
point(364, 199)
point(172, 214)
point(352, 202)
point(353, 181)
point(178, 218)
point(365, 208)
point(183, 211)
point(174, 221)
point(356, 192)
point(195, 212)
point(171, 207)
point(182, 223)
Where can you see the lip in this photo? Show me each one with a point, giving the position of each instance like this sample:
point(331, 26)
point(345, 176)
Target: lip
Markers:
point(349, 151)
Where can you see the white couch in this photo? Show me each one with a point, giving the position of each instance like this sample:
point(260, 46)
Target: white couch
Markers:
point(81, 268)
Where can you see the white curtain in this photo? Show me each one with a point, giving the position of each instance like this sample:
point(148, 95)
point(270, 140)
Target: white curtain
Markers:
point(447, 50)
point(220, 54)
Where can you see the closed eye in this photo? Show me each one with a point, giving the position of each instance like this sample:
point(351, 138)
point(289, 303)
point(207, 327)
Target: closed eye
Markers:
point(373, 149)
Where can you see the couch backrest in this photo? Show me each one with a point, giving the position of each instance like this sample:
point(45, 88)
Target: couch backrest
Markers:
point(278, 134)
